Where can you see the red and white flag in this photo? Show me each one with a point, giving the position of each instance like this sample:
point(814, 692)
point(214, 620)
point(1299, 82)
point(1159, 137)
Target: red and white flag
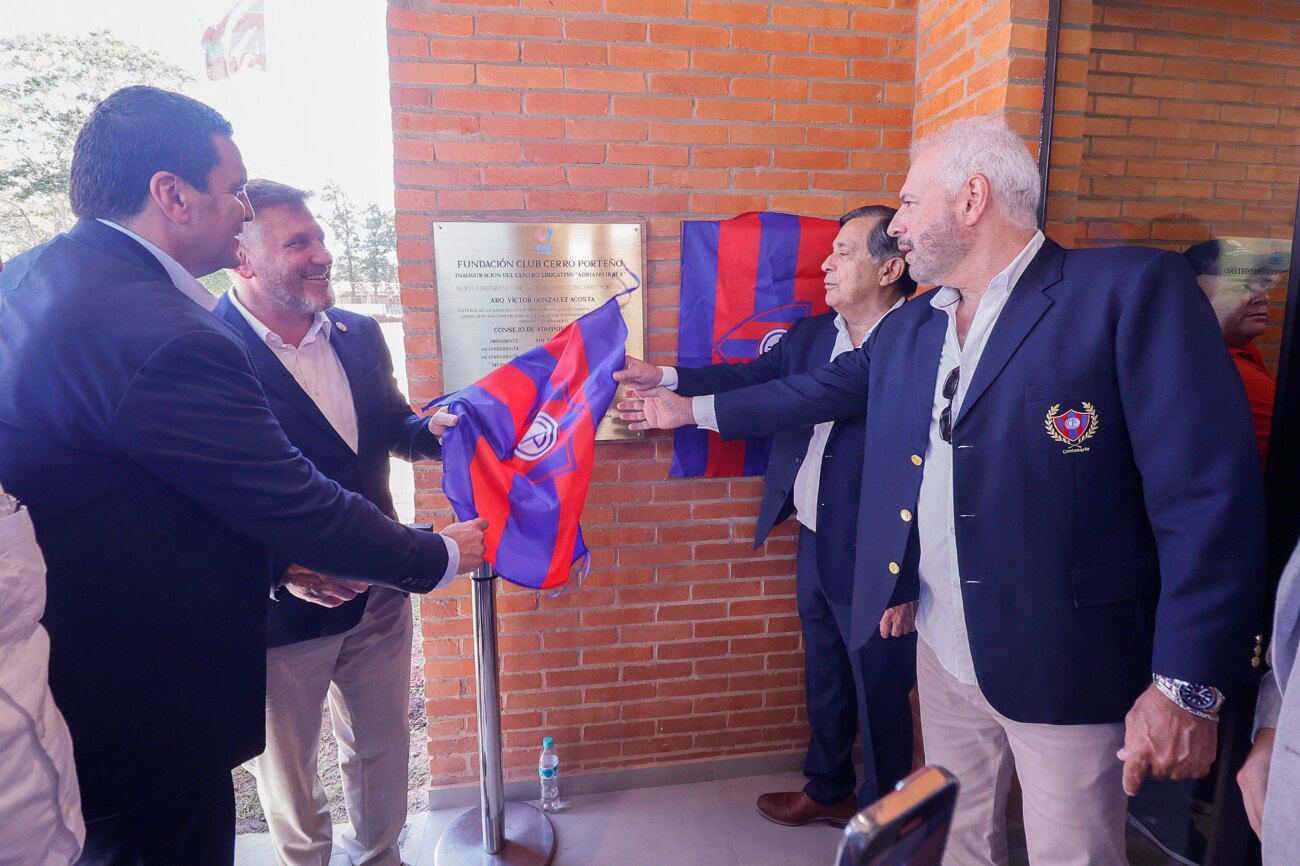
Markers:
point(236, 42)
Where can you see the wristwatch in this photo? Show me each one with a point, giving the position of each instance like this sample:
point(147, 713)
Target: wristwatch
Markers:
point(1203, 701)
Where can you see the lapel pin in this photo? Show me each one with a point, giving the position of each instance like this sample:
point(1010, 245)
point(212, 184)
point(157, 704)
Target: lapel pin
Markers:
point(340, 326)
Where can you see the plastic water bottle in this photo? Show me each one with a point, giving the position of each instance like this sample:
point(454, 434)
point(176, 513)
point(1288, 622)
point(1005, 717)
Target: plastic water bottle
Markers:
point(548, 771)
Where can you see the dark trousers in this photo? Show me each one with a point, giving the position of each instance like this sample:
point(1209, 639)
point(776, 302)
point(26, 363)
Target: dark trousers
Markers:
point(195, 827)
point(850, 692)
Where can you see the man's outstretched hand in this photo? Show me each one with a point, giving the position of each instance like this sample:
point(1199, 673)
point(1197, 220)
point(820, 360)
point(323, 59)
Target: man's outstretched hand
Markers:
point(469, 538)
point(639, 375)
point(655, 409)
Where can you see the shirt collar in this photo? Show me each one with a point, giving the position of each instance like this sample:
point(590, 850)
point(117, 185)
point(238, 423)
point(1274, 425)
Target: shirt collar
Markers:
point(181, 278)
point(1003, 282)
point(321, 325)
point(843, 327)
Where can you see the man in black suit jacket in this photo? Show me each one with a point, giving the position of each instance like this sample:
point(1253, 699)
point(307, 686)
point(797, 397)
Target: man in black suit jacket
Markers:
point(329, 379)
point(816, 474)
point(134, 427)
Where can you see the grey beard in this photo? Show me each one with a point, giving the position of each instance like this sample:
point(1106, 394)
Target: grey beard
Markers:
point(298, 302)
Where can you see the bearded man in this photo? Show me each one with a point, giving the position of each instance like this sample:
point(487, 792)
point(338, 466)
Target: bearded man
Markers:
point(329, 379)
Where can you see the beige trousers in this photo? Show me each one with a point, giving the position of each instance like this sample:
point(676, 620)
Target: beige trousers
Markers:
point(1071, 779)
point(365, 672)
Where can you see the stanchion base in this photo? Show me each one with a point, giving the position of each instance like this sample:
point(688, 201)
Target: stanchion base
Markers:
point(530, 840)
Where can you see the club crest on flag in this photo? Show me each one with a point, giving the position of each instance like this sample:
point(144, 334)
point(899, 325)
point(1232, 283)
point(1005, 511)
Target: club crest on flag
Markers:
point(540, 438)
point(1072, 427)
point(745, 282)
point(770, 339)
point(758, 333)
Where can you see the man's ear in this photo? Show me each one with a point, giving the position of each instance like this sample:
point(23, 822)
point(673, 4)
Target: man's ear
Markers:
point(973, 199)
point(245, 268)
point(891, 271)
point(170, 193)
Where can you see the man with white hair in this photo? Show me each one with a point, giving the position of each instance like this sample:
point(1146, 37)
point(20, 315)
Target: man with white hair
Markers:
point(1064, 457)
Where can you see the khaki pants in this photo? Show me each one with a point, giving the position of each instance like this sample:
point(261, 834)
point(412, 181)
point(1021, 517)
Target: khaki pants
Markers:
point(366, 674)
point(1074, 799)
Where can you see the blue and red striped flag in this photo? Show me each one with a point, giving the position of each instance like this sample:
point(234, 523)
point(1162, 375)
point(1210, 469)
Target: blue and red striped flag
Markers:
point(745, 281)
point(237, 41)
point(521, 455)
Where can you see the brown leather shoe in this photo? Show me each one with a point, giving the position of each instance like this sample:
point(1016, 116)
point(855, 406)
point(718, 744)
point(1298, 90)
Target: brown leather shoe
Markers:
point(795, 808)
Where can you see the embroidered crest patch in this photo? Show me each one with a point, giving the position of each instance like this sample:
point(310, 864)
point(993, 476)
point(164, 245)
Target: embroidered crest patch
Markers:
point(1072, 427)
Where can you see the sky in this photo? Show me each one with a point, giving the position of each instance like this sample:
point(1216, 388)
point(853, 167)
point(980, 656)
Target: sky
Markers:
point(320, 111)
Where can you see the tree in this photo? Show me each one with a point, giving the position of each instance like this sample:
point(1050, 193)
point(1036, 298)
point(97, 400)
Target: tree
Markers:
point(344, 223)
point(379, 245)
point(48, 86)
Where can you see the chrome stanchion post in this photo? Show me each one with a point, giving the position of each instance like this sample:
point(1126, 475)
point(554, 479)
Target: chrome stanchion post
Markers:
point(497, 832)
point(492, 802)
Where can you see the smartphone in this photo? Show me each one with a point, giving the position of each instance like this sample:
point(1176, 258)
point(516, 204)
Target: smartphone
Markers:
point(908, 827)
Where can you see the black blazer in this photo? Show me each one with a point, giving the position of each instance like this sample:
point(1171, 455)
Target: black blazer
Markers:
point(807, 345)
point(133, 425)
point(385, 425)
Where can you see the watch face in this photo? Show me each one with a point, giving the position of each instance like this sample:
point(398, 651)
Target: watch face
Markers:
point(1198, 697)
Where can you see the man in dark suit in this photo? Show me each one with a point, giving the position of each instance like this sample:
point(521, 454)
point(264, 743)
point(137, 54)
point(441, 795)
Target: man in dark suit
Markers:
point(1060, 451)
point(815, 473)
point(329, 379)
point(134, 426)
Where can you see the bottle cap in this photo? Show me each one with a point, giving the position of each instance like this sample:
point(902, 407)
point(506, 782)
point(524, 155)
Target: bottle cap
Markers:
point(547, 742)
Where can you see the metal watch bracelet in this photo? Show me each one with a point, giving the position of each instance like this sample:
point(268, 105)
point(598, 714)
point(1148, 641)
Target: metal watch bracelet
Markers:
point(1169, 689)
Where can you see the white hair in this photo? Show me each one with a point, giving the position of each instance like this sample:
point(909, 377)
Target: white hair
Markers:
point(987, 146)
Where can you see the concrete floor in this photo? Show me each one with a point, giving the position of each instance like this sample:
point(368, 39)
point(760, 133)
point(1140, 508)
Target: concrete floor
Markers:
point(702, 824)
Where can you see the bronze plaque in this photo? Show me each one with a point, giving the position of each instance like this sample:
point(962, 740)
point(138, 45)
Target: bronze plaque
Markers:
point(505, 288)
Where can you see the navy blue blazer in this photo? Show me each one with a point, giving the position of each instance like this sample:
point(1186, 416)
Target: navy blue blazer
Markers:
point(1085, 567)
point(806, 346)
point(385, 425)
point(133, 425)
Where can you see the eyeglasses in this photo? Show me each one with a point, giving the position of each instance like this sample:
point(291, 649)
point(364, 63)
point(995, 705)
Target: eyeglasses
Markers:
point(949, 391)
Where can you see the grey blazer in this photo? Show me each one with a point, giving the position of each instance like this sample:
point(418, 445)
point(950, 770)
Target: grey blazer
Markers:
point(1279, 707)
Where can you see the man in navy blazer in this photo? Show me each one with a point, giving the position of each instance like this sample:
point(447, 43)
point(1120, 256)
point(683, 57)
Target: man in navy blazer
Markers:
point(329, 379)
point(1059, 449)
point(134, 427)
point(816, 474)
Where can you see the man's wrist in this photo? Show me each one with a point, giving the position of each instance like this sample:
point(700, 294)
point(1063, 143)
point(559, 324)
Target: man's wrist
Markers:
point(1199, 700)
point(669, 378)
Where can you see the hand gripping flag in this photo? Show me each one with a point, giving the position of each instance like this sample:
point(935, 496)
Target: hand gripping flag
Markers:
point(745, 281)
point(237, 41)
point(521, 455)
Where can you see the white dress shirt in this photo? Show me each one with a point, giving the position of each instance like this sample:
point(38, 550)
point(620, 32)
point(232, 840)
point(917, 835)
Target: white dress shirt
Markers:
point(181, 278)
point(808, 481)
point(317, 369)
point(40, 803)
point(941, 615)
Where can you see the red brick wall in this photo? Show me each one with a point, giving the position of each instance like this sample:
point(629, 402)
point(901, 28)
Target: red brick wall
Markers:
point(1192, 123)
point(1190, 127)
point(683, 643)
point(980, 57)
